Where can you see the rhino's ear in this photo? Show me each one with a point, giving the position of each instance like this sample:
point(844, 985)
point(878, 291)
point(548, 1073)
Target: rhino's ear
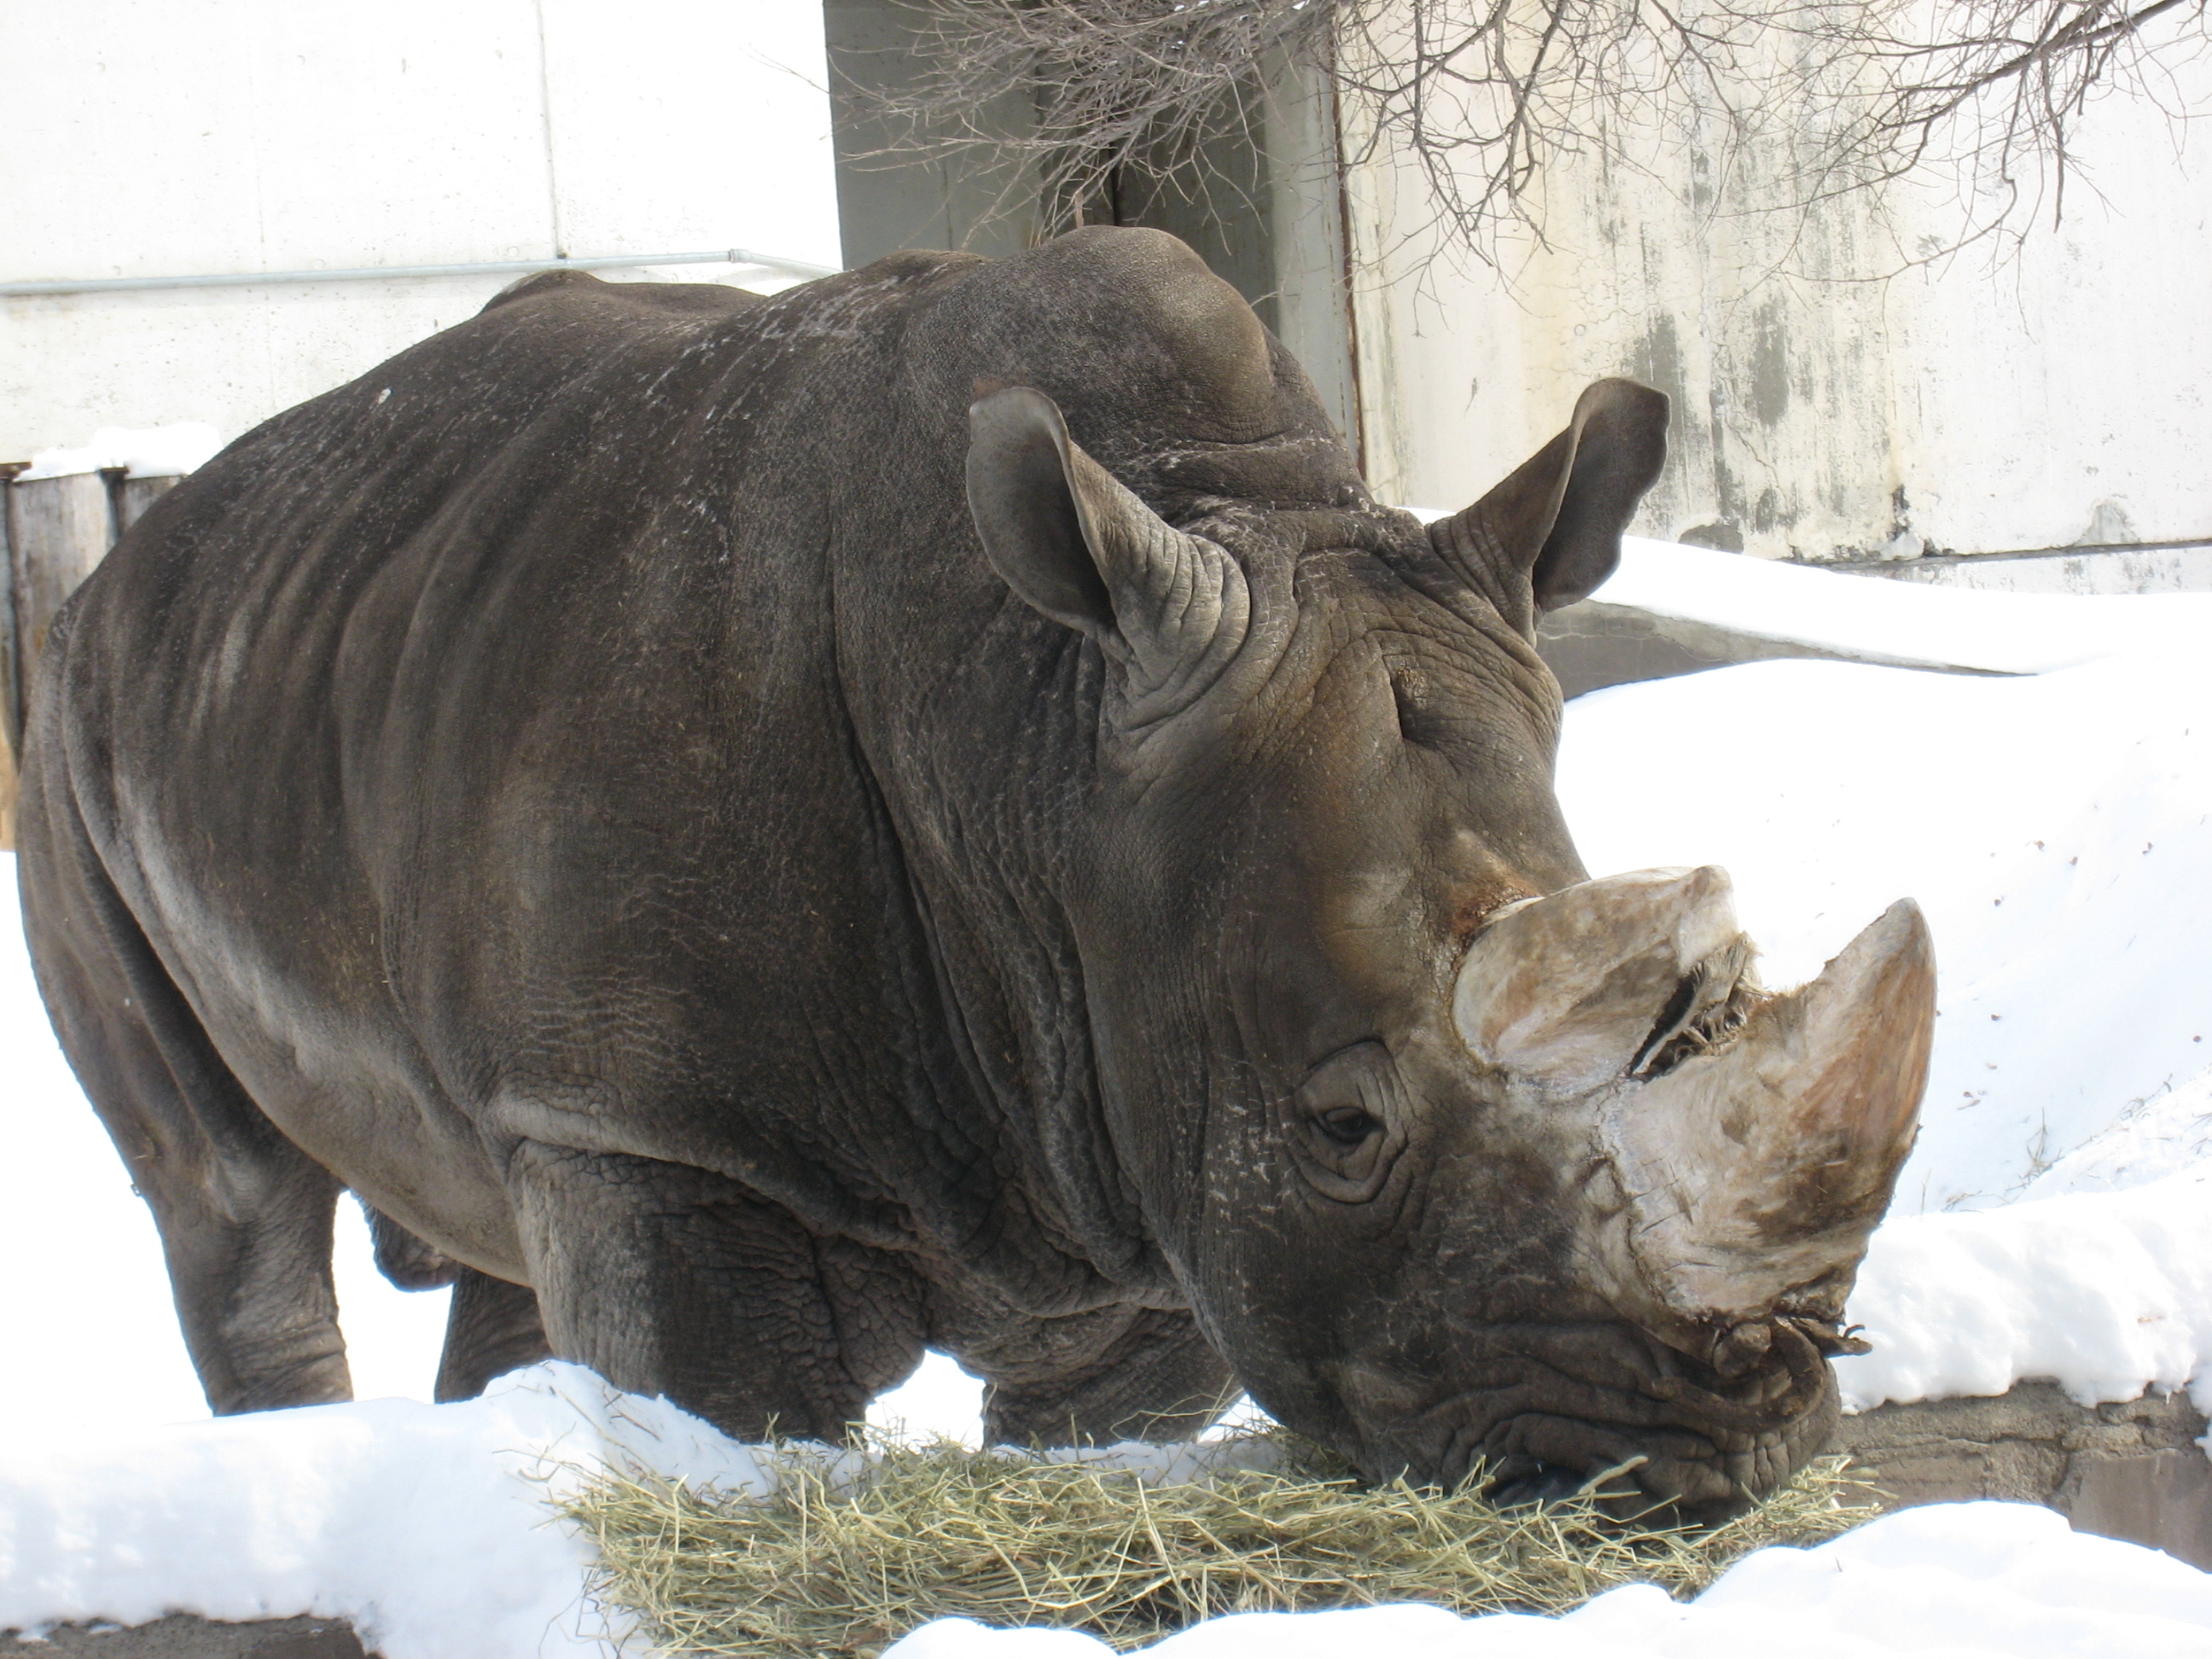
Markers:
point(1066, 535)
point(1550, 533)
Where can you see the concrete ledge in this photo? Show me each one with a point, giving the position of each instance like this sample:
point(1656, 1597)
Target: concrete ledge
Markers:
point(2129, 1470)
point(2134, 568)
point(1594, 645)
point(181, 1636)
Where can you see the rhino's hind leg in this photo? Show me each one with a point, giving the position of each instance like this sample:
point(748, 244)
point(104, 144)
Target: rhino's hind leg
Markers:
point(493, 1329)
point(670, 1281)
point(245, 1216)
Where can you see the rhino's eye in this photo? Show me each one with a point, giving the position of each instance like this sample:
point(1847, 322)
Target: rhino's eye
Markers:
point(1347, 1126)
point(1421, 720)
point(1349, 1115)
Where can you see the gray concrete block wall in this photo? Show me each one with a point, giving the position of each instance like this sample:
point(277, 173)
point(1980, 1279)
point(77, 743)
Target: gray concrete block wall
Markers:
point(2130, 1470)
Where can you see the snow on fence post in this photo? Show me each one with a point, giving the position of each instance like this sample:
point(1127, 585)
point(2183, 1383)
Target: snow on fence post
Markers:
point(57, 529)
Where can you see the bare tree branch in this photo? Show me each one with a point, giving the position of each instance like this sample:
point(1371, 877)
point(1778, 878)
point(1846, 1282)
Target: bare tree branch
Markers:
point(1480, 97)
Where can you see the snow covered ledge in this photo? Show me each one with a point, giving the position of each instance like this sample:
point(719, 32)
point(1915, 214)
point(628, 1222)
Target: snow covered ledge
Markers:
point(425, 1527)
point(1672, 610)
point(2095, 1296)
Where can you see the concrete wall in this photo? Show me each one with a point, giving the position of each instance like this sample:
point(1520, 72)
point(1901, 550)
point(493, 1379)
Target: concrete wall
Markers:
point(1831, 399)
point(2090, 571)
point(2133, 1469)
point(182, 137)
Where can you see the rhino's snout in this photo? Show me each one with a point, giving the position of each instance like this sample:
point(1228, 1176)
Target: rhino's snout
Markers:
point(1611, 1217)
point(1743, 1144)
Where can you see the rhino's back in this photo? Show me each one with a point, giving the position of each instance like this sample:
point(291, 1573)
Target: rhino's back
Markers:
point(466, 741)
point(398, 579)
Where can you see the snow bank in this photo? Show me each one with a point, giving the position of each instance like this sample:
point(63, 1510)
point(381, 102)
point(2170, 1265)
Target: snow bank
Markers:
point(2056, 829)
point(158, 452)
point(1952, 1581)
point(2167, 1131)
point(2111, 1294)
point(423, 1525)
point(1999, 633)
point(426, 1526)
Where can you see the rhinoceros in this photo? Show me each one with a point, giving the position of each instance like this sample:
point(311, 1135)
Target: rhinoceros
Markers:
point(760, 835)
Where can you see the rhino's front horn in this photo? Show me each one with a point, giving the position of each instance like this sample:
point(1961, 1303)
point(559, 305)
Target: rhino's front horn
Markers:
point(1746, 1144)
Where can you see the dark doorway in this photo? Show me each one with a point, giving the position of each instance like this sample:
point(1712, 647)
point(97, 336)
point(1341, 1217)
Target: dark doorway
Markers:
point(1263, 210)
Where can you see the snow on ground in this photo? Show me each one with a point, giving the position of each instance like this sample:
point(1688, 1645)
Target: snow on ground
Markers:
point(2053, 1221)
point(423, 1526)
point(2057, 829)
point(2002, 633)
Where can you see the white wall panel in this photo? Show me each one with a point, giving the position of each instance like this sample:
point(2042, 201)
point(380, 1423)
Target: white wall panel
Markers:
point(2032, 403)
point(214, 136)
point(223, 135)
point(691, 126)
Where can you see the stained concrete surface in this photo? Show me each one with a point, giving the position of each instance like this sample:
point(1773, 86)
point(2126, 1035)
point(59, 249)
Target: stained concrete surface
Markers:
point(2132, 1469)
point(180, 1636)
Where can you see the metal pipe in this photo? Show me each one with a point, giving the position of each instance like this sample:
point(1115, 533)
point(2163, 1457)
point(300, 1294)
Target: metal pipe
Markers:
point(732, 256)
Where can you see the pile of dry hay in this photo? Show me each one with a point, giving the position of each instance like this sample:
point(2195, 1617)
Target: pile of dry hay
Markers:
point(829, 1567)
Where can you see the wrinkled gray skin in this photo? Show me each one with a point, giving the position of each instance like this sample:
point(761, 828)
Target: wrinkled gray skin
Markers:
point(594, 787)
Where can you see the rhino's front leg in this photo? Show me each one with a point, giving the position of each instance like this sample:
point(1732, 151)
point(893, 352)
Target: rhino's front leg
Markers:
point(1122, 1373)
point(670, 1281)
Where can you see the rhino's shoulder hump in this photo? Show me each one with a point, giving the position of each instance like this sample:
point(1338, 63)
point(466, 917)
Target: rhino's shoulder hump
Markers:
point(580, 287)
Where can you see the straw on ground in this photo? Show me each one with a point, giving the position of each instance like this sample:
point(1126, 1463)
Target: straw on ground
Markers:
point(831, 1565)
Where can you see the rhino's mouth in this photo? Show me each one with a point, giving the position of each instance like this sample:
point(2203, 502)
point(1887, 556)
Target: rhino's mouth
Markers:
point(1700, 1485)
point(1683, 1436)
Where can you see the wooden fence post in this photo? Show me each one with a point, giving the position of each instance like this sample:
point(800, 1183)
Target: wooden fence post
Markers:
point(57, 530)
point(11, 719)
point(134, 495)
